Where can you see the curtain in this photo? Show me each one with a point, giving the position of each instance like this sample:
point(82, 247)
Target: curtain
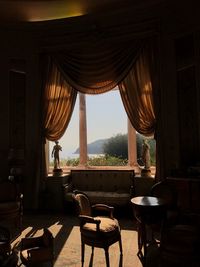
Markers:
point(97, 67)
point(59, 101)
point(136, 93)
point(139, 92)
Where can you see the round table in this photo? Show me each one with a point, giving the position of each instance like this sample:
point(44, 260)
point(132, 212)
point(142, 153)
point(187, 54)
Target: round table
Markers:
point(148, 211)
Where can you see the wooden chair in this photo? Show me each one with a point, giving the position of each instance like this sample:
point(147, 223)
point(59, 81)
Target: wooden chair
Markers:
point(36, 250)
point(96, 231)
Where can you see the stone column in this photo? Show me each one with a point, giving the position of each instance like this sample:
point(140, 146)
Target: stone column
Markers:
point(132, 146)
point(82, 130)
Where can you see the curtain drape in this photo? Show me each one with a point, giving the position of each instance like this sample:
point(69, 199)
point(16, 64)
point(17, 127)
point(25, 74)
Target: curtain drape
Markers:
point(57, 107)
point(97, 67)
point(59, 101)
point(137, 96)
point(139, 92)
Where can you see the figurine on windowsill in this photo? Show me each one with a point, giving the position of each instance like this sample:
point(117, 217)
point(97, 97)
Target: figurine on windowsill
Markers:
point(55, 153)
point(146, 171)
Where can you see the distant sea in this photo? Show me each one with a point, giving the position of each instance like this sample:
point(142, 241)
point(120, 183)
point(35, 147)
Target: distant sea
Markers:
point(74, 156)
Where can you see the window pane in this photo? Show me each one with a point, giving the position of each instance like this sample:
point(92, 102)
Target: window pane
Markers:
point(70, 140)
point(106, 118)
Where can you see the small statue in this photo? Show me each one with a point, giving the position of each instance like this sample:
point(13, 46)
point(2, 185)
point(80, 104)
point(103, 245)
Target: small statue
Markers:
point(146, 155)
point(55, 153)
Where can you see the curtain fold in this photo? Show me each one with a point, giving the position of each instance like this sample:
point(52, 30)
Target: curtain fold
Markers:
point(97, 67)
point(59, 101)
point(137, 95)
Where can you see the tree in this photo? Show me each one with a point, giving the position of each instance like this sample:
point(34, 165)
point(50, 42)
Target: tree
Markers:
point(117, 146)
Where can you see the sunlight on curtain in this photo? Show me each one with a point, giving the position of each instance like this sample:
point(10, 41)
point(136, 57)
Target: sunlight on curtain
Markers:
point(59, 101)
point(137, 96)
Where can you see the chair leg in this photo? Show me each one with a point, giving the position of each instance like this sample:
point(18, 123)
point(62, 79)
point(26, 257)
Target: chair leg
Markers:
point(92, 250)
point(107, 257)
point(82, 251)
point(120, 245)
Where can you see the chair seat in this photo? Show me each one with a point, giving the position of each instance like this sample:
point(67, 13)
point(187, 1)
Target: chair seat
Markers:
point(38, 249)
point(35, 254)
point(108, 227)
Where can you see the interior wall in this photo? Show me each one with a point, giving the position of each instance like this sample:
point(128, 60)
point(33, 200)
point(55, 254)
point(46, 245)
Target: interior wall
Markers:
point(180, 90)
point(19, 46)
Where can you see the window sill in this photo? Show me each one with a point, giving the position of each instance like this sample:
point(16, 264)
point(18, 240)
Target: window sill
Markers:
point(67, 170)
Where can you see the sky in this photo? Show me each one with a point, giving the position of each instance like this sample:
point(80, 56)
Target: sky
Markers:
point(106, 117)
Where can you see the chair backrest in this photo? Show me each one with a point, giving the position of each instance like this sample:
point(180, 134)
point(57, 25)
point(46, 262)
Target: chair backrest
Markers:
point(47, 238)
point(83, 203)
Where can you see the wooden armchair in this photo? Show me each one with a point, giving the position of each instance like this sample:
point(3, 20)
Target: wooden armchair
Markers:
point(36, 250)
point(96, 231)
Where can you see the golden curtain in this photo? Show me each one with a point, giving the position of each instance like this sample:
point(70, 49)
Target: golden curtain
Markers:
point(97, 67)
point(59, 101)
point(137, 96)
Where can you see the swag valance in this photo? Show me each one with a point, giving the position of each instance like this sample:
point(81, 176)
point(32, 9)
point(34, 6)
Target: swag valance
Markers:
point(97, 68)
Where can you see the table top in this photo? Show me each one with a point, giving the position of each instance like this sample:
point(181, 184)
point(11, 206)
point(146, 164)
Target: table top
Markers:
point(148, 201)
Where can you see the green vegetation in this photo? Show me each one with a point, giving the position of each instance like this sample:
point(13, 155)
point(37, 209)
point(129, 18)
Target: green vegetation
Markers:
point(107, 160)
point(116, 146)
point(99, 161)
point(95, 161)
point(116, 152)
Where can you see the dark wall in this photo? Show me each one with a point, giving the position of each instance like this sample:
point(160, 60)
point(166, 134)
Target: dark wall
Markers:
point(180, 111)
point(19, 109)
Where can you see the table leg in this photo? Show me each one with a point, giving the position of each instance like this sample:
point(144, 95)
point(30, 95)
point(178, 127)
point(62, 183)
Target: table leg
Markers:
point(142, 242)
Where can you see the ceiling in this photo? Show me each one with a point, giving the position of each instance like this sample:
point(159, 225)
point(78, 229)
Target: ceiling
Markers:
point(40, 10)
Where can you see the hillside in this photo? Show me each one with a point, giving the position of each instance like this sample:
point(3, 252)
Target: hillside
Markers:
point(95, 147)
